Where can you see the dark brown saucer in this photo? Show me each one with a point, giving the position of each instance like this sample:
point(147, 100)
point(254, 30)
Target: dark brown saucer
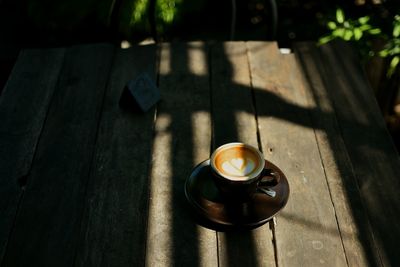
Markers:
point(204, 196)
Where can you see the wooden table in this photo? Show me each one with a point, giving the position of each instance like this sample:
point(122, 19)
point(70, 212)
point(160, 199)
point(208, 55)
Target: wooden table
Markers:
point(85, 183)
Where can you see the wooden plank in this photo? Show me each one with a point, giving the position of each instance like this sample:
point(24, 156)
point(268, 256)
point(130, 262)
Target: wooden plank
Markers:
point(352, 218)
point(306, 231)
point(373, 156)
point(182, 140)
point(115, 217)
point(23, 109)
point(47, 225)
point(234, 120)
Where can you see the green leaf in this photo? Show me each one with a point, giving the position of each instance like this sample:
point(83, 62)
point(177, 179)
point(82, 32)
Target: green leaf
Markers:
point(347, 35)
point(384, 53)
point(339, 15)
point(393, 64)
point(325, 39)
point(395, 50)
point(357, 34)
point(396, 30)
point(331, 25)
point(338, 32)
point(374, 31)
point(365, 27)
point(363, 20)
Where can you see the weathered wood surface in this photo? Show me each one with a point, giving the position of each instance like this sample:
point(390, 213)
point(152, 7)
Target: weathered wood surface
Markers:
point(234, 121)
point(84, 182)
point(353, 222)
point(374, 159)
point(23, 108)
point(116, 204)
point(47, 225)
point(306, 232)
point(182, 139)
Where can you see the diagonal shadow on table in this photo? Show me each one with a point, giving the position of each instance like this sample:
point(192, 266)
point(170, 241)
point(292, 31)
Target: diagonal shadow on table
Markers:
point(184, 230)
point(184, 107)
point(362, 151)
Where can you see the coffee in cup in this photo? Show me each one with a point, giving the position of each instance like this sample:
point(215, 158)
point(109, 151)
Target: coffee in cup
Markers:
point(237, 169)
point(237, 161)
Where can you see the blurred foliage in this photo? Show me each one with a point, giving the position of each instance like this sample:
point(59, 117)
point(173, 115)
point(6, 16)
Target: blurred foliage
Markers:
point(166, 13)
point(392, 47)
point(360, 32)
point(348, 29)
point(139, 12)
point(166, 10)
point(132, 15)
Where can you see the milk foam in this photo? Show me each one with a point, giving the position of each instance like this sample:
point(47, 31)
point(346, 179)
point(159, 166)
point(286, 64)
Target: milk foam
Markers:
point(238, 166)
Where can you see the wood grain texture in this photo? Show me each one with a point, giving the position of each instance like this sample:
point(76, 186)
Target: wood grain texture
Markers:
point(115, 218)
point(352, 218)
point(372, 153)
point(23, 109)
point(83, 182)
point(233, 121)
point(47, 225)
point(306, 230)
point(182, 140)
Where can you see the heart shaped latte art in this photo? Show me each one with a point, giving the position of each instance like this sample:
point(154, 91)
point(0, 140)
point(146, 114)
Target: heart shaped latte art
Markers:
point(238, 166)
point(238, 163)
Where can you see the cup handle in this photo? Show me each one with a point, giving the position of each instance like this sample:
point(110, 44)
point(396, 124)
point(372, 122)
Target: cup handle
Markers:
point(269, 178)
